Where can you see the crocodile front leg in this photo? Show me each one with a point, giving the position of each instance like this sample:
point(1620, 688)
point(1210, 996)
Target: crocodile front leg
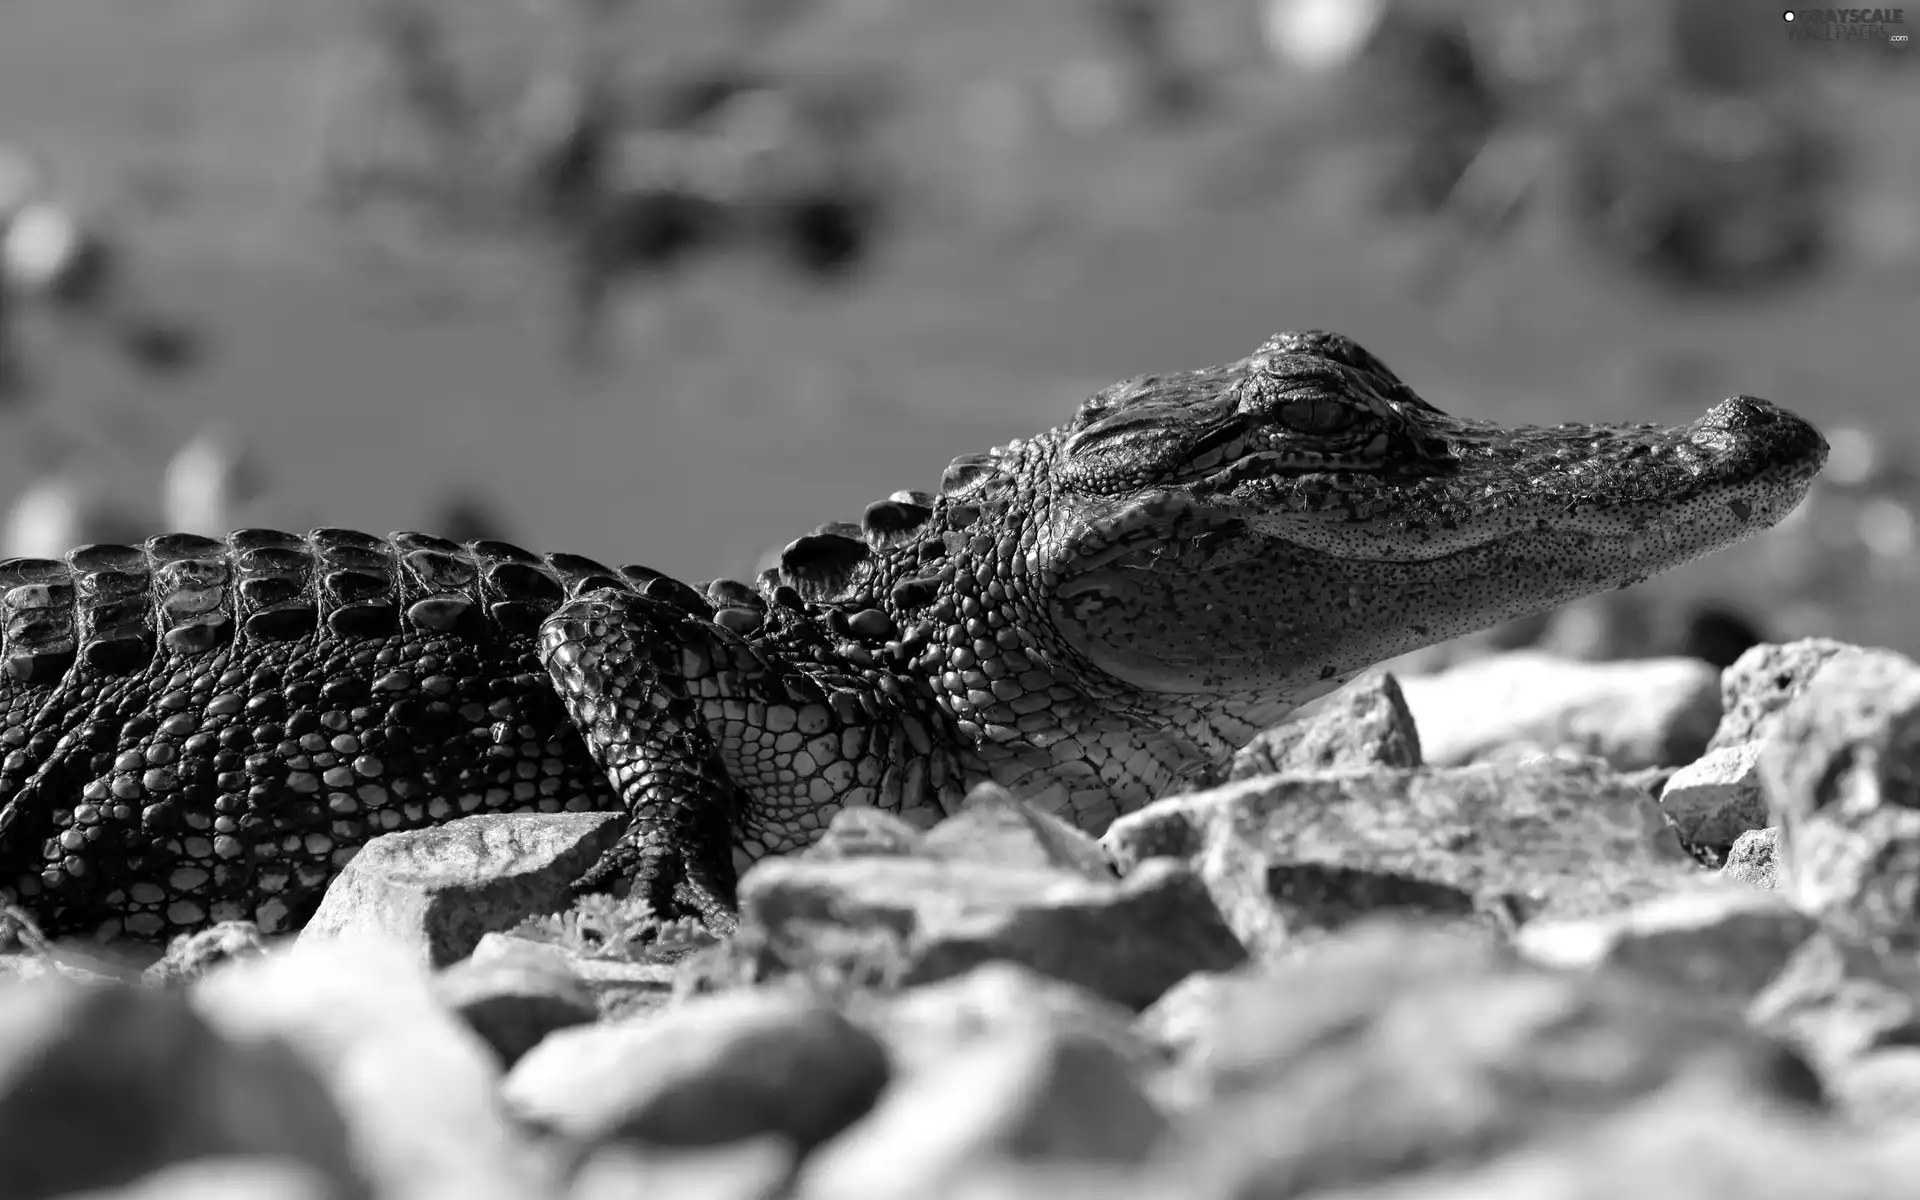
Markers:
point(733, 735)
point(626, 668)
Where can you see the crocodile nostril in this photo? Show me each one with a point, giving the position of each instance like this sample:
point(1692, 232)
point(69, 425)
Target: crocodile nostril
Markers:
point(1743, 412)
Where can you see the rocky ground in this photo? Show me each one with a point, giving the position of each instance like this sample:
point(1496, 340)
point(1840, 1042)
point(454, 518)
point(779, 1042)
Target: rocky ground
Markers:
point(1636, 929)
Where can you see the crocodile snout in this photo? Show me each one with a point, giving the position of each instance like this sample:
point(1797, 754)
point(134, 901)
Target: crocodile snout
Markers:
point(1766, 429)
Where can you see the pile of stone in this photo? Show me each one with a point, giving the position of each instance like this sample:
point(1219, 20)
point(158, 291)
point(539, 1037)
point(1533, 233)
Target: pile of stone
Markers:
point(1528, 928)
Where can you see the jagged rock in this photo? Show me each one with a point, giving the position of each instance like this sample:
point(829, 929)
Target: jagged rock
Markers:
point(516, 996)
point(862, 832)
point(1365, 724)
point(24, 966)
point(710, 1071)
point(1179, 1023)
point(1717, 798)
point(755, 1169)
point(1395, 1050)
point(1712, 940)
point(1128, 940)
point(1879, 1090)
point(1496, 843)
point(1764, 681)
point(1643, 713)
point(1226, 1029)
point(1691, 1144)
point(995, 828)
point(79, 958)
point(1029, 1096)
point(415, 1085)
point(438, 889)
point(1651, 780)
point(991, 827)
point(1839, 767)
point(228, 1178)
point(1753, 859)
point(930, 1022)
point(618, 987)
point(1005, 1179)
point(191, 955)
point(101, 1084)
point(1837, 999)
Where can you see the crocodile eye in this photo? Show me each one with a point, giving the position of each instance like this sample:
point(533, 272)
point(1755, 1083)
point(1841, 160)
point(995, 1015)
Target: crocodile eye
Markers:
point(1316, 415)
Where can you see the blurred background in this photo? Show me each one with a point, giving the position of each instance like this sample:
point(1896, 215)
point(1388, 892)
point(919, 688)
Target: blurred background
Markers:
point(673, 281)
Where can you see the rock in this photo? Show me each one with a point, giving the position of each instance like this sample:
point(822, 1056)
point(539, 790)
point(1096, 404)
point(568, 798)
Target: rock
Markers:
point(1397, 1049)
point(1127, 940)
point(1764, 681)
point(1837, 999)
point(438, 889)
point(1364, 724)
point(1227, 1030)
point(1643, 713)
point(713, 1070)
point(1651, 780)
point(935, 1020)
point(23, 966)
point(101, 1084)
point(618, 987)
point(1712, 940)
point(1005, 1179)
point(1717, 798)
point(1879, 1090)
point(85, 960)
point(1691, 1144)
point(514, 998)
point(191, 955)
point(415, 1085)
point(236, 1178)
point(757, 1169)
point(835, 956)
point(1839, 768)
point(862, 832)
point(1026, 1096)
point(1753, 859)
point(1186, 1015)
point(995, 828)
point(1292, 854)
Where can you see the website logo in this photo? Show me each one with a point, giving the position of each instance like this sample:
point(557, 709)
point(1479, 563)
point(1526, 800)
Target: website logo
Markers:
point(1884, 26)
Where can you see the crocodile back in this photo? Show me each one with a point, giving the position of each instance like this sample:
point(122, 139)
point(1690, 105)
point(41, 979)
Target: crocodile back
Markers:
point(169, 708)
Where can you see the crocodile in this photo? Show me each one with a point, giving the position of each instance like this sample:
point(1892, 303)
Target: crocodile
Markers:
point(198, 729)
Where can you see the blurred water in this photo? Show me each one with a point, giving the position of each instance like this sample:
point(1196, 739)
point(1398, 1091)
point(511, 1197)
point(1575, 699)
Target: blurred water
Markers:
point(744, 408)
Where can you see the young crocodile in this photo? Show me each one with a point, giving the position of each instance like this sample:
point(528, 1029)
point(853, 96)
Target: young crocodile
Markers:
point(196, 729)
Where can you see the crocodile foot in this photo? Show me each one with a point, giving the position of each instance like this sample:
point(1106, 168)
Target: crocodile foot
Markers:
point(672, 883)
point(616, 662)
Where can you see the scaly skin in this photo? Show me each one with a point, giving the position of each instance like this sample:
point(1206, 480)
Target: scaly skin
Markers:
point(196, 730)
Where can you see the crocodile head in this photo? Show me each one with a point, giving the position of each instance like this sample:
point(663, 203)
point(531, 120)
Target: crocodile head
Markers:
point(1119, 603)
point(1270, 527)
